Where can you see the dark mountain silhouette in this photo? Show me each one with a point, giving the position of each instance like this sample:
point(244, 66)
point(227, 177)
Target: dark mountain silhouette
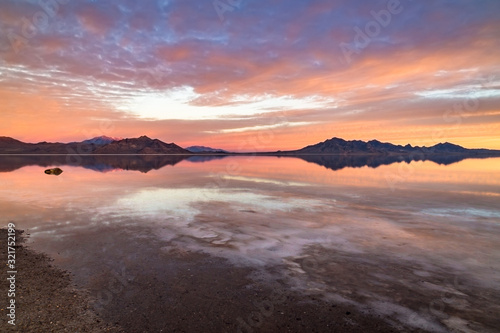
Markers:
point(6, 141)
point(141, 145)
point(342, 147)
point(12, 146)
point(144, 154)
point(144, 146)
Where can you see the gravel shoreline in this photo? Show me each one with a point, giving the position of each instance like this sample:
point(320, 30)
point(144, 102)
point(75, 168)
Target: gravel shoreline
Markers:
point(204, 295)
point(45, 298)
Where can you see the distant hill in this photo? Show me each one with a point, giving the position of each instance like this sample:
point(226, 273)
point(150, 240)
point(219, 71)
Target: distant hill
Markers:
point(6, 141)
point(12, 146)
point(99, 145)
point(141, 145)
point(145, 145)
point(203, 149)
point(337, 146)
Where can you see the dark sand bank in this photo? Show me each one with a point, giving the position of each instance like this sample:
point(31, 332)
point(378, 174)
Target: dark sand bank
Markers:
point(197, 293)
point(46, 300)
point(145, 286)
point(129, 281)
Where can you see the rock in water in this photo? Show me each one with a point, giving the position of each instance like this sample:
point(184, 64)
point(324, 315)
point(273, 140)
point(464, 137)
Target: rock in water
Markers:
point(54, 171)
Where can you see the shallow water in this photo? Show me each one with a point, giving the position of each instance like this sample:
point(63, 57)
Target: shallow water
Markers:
point(421, 226)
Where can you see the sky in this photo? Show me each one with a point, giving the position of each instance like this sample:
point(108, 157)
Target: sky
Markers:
point(248, 75)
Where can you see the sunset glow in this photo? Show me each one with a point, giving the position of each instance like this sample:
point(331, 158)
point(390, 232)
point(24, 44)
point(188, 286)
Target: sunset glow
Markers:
point(259, 75)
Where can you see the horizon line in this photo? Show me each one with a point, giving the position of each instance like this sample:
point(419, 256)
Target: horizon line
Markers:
point(242, 152)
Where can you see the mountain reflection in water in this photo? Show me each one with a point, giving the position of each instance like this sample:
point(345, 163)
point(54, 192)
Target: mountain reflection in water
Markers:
point(347, 230)
point(146, 163)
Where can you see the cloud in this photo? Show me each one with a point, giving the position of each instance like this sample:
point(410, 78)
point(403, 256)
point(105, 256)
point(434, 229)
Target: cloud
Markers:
point(133, 63)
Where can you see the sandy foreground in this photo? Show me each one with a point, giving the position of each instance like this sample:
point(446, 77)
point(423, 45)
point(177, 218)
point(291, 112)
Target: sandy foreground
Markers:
point(206, 296)
point(195, 292)
point(45, 298)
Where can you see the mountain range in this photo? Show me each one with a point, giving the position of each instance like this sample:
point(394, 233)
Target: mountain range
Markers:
point(146, 146)
point(100, 145)
point(342, 147)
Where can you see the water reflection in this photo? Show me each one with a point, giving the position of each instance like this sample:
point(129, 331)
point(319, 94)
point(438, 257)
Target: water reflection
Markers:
point(374, 161)
point(373, 227)
point(101, 163)
point(147, 163)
